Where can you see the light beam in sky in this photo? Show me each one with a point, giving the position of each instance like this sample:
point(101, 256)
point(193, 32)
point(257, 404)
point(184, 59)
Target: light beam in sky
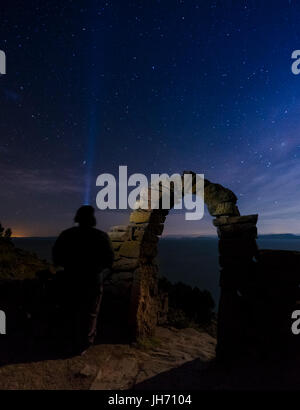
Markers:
point(93, 74)
point(90, 157)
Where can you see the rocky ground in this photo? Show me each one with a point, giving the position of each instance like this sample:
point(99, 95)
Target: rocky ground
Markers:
point(104, 366)
point(111, 366)
point(176, 360)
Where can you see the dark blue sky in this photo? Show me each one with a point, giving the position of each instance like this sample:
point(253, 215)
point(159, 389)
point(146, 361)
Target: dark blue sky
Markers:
point(160, 86)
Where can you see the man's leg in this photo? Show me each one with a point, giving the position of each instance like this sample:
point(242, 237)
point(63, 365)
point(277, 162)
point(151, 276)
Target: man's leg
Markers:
point(92, 315)
point(87, 321)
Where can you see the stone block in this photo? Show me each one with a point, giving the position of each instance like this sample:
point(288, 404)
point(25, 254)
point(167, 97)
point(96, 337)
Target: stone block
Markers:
point(238, 246)
point(122, 276)
point(246, 230)
point(225, 208)
point(116, 245)
point(138, 231)
point(235, 260)
point(239, 252)
point(118, 236)
point(144, 236)
point(125, 264)
point(140, 216)
point(149, 249)
point(153, 216)
point(119, 228)
point(216, 193)
point(229, 220)
point(130, 249)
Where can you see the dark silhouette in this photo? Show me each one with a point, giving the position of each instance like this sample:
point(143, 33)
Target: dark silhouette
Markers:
point(86, 255)
point(187, 306)
point(5, 233)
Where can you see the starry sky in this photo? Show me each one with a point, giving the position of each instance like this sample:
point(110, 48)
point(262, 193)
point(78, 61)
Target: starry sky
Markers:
point(159, 86)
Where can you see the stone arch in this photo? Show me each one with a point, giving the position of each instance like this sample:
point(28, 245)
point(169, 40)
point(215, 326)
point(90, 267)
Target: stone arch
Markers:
point(135, 270)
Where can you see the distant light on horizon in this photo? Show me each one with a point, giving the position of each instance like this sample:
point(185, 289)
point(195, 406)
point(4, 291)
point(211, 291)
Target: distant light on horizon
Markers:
point(19, 235)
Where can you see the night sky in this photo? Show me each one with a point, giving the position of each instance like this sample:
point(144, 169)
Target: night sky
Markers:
point(159, 86)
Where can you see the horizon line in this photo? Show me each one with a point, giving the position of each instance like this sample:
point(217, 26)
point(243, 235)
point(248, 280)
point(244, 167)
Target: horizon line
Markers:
point(165, 236)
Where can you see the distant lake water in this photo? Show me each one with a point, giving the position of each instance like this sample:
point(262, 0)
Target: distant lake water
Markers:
point(190, 260)
point(195, 260)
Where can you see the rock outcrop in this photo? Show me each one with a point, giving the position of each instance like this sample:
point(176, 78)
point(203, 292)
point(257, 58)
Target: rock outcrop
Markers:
point(19, 264)
point(135, 245)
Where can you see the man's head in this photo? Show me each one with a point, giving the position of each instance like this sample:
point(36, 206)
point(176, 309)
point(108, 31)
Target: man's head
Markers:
point(85, 216)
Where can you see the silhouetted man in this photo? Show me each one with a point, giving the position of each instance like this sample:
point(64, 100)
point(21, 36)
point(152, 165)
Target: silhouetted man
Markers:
point(86, 254)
